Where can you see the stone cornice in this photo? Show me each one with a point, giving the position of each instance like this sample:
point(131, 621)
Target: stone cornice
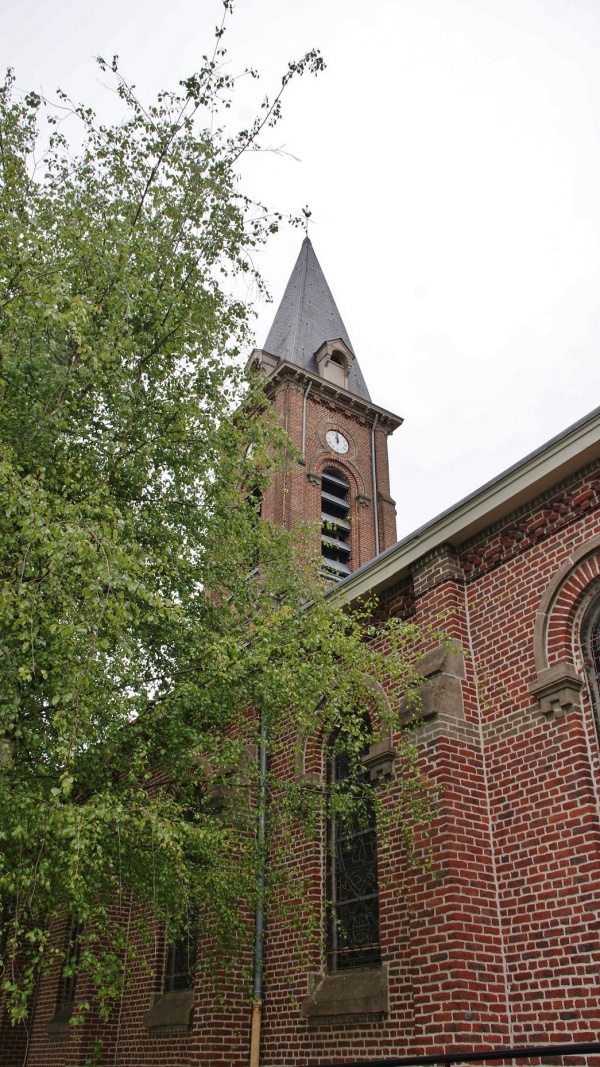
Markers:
point(343, 399)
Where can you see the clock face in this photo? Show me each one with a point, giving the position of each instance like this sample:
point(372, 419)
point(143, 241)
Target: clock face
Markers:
point(337, 441)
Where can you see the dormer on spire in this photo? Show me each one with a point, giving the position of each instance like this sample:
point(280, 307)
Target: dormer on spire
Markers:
point(334, 360)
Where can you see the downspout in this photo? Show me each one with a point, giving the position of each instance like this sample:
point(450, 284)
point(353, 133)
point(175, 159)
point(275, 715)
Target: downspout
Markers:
point(374, 473)
point(259, 921)
point(284, 473)
point(32, 1020)
point(306, 392)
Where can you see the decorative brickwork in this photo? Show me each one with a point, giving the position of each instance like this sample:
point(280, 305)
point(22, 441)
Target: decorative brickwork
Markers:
point(551, 517)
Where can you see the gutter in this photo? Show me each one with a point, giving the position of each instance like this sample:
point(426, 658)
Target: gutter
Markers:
point(374, 479)
point(306, 392)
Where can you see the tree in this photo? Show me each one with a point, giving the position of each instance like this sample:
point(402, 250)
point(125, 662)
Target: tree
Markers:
point(134, 639)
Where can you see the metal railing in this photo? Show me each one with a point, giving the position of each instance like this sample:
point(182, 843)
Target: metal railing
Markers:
point(523, 1052)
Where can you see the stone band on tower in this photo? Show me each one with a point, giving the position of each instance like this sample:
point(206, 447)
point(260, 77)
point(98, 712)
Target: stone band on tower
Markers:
point(316, 386)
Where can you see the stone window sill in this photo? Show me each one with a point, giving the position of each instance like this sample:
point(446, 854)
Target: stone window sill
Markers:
point(357, 996)
point(170, 1013)
point(58, 1027)
point(557, 689)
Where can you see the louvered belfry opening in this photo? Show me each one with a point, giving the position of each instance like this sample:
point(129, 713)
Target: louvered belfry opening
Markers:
point(335, 517)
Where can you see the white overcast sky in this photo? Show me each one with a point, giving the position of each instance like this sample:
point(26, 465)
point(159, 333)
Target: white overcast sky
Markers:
point(450, 155)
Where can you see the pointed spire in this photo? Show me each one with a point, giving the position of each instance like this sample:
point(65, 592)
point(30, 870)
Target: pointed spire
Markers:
point(307, 317)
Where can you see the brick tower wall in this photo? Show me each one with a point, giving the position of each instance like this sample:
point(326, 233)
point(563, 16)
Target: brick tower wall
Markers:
point(295, 495)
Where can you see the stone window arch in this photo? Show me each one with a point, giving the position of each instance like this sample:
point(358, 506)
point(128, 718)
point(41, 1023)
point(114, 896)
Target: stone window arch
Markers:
point(556, 644)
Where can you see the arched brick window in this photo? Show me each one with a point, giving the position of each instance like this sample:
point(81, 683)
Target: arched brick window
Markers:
point(352, 888)
point(590, 639)
point(181, 961)
point(65, 1007)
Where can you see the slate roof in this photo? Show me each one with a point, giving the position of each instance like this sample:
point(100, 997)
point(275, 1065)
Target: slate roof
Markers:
point(307, 317)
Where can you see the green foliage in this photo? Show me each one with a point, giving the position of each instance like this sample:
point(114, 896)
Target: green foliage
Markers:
point(125, 494)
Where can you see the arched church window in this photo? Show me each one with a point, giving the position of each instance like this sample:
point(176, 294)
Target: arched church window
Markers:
point(255, 502)
point(590, 634)
point(255, 497)
point(352, 888)
point(69, 976)
point(335, 518)
point(181, 960)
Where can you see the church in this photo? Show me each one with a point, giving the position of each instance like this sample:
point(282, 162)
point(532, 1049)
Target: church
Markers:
point(496, 945)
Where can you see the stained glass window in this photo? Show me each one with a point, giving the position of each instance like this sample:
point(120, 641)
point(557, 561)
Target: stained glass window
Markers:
point(595, 646)
point(590, 635)
point(181, 961)
point(67, 988)
point(352, 890)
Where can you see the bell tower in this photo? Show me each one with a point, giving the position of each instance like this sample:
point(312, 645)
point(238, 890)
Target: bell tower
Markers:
point(315, 384)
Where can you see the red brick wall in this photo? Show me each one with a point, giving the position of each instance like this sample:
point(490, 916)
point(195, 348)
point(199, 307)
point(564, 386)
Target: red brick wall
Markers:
point(13, 1041)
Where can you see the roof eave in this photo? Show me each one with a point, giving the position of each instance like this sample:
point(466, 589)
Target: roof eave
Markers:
point(538, 472)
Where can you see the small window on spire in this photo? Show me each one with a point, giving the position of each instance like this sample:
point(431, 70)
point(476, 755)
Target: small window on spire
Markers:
point(335, 370)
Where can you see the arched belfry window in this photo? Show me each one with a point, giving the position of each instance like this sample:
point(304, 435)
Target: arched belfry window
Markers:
point(335, 518)
point(352, 888)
